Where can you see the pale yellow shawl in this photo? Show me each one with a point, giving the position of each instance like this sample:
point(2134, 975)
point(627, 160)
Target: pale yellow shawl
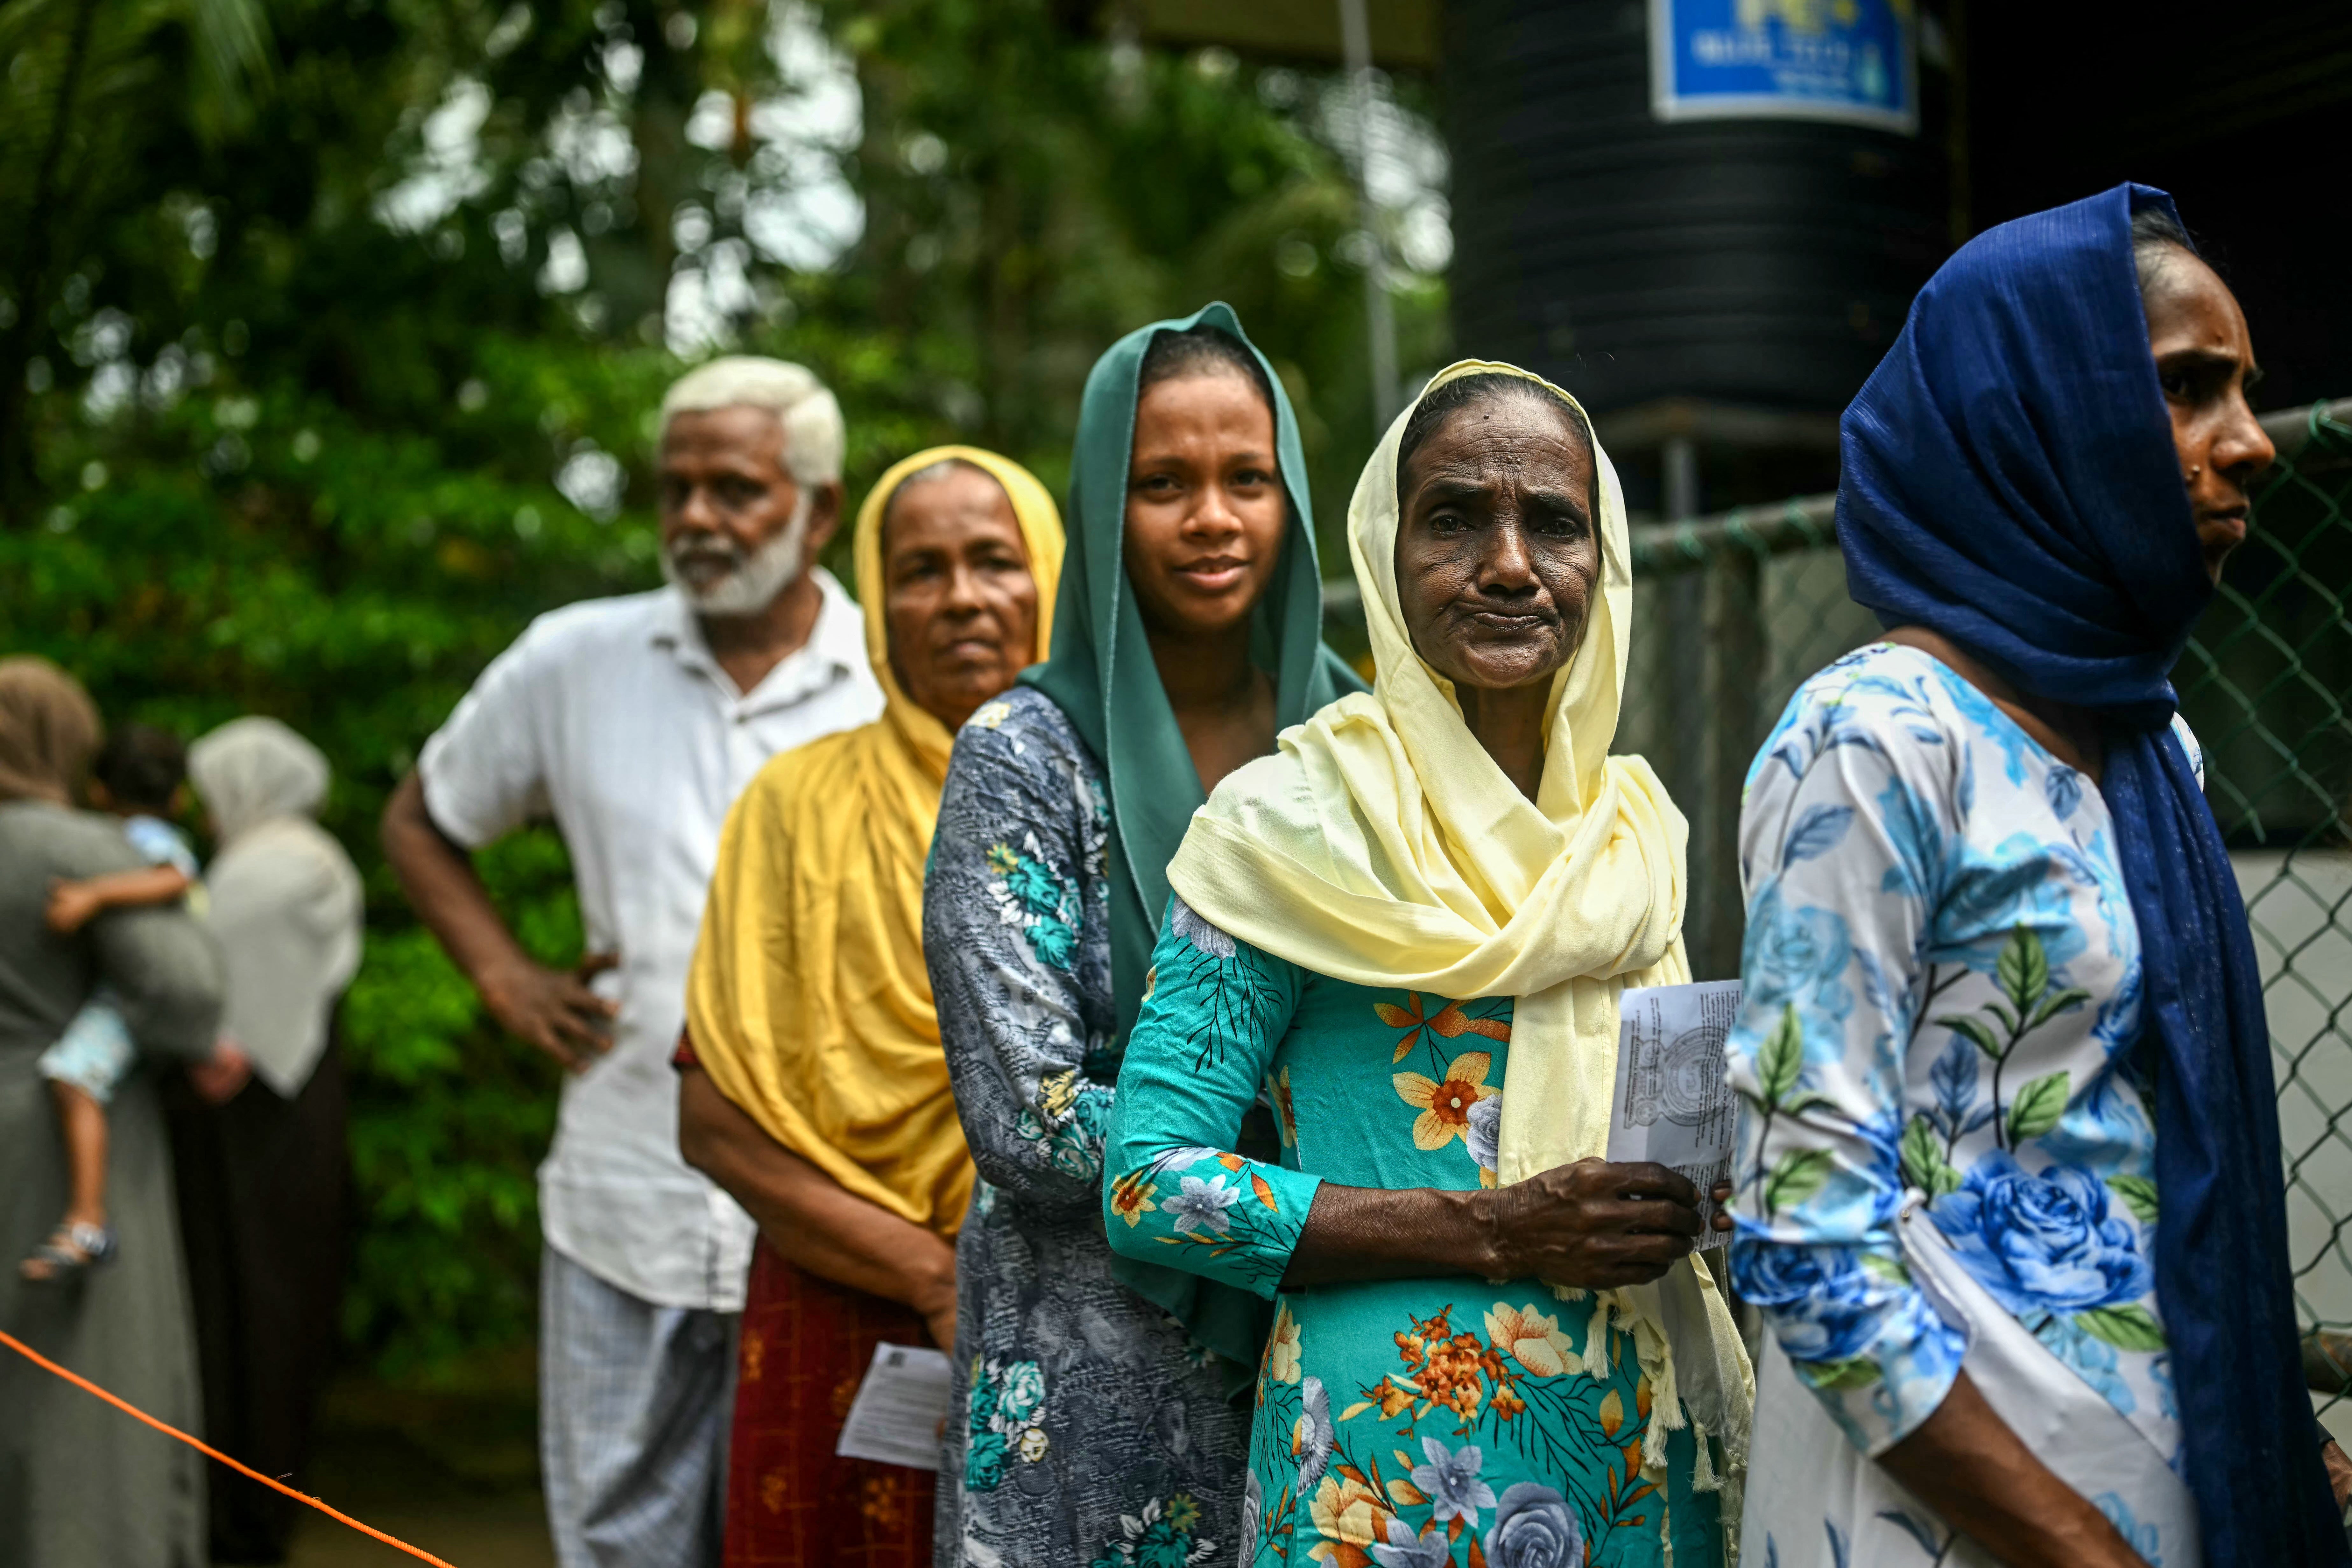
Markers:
point(1381, 845)
point(808, 1003)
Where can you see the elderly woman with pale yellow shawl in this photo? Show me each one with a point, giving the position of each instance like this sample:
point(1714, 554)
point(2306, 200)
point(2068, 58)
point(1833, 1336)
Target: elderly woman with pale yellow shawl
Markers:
point(814, 1089)
point(1408, 931)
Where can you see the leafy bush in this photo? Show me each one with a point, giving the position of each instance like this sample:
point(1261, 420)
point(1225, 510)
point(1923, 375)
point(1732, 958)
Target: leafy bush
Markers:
point(316, 395)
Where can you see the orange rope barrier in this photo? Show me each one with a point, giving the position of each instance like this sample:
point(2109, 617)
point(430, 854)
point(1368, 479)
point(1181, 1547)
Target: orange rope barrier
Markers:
point(38, 1359)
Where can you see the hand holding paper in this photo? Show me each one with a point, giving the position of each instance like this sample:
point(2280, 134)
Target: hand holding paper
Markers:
point(1674, 1104)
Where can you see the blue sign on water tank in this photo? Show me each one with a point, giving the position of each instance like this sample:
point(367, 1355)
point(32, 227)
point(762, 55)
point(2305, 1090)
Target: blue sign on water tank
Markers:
point(1850, 60)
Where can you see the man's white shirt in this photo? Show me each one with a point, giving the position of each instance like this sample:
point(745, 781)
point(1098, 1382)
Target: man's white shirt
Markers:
point(612, 718)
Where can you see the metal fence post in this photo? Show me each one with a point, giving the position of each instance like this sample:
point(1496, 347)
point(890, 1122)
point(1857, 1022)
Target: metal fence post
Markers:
point(1738, 652)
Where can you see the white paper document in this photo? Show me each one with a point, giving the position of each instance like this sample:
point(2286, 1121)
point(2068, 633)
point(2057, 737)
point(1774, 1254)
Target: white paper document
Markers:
point(1675, 1105)
point(900, 1409)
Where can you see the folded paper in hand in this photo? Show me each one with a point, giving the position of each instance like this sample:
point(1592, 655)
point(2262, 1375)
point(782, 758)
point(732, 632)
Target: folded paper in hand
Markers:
point(1673, 1103)
point(900, 1409)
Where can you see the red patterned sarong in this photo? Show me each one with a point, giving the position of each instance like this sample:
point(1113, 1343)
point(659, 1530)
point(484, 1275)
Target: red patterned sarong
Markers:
point(791, 1501)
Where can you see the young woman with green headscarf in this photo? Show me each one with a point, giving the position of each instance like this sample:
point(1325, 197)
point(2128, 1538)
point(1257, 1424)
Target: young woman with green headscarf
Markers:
point(1090, 1424)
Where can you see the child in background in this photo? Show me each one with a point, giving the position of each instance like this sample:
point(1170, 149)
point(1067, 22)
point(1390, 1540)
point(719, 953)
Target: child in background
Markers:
point(137, 777)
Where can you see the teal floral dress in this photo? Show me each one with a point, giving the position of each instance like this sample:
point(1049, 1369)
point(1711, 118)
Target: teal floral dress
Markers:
point(1407, 1422)
point(1090, 1431)
point(1941, 1007)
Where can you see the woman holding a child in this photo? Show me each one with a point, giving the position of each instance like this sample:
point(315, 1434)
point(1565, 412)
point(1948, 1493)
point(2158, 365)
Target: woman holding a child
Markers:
point(79, 1484)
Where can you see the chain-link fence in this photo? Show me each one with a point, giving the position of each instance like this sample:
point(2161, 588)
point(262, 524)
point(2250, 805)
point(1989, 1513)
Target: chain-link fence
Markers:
point(1734, 611)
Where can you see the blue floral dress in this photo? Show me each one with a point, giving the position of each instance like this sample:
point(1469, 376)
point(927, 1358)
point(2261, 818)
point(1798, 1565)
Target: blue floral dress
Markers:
point(1942, 995)
point(1407, 1422)
point(1091, 1431)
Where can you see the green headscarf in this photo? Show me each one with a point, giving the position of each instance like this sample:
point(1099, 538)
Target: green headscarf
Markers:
point(1102, 674)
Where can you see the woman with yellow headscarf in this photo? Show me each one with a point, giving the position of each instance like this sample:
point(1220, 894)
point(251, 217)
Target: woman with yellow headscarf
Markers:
point(814, 1087)
point(1409, 928)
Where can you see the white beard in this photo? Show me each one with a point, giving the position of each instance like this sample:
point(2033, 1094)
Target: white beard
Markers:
point(755, 578)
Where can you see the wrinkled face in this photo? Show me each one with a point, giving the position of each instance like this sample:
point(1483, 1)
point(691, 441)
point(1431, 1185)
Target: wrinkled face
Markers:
point(1206, 506)
point(961, 604)
point(2205, 363)
point(1497, 550)
point(735, 527)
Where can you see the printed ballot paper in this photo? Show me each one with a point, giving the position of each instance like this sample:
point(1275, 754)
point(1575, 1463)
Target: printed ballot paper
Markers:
point(899, 1410)
point(1674, 1104)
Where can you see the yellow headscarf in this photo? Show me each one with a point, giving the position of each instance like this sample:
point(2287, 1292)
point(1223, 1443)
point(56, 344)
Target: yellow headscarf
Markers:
point(808, 1003)
point(1381, 845)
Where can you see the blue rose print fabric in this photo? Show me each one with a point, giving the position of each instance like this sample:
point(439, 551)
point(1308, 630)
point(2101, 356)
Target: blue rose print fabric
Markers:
point(1092, 1431)
point(1942, 999)
point(1402, 1424)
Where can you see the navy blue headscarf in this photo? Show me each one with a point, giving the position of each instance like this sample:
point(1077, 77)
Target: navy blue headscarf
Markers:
point(2011, 481)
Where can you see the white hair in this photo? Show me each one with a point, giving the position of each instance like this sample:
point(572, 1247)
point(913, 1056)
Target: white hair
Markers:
point(812, 419)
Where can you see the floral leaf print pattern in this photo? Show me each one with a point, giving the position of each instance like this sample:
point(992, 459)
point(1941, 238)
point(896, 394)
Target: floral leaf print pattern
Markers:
point(1159, 1537)
point(1780, 1066)
point(2063, 788)
point(1852, 711)
point(1233, 1209)
point(1200, 1206)
point(1030, 895)
point(1004, 1421)
point(1395, 1495)
point(1450, 1480)
point(1444, 1104)
point(1067, 1124)
point(1530, 1338)
point(1937, 1550)
point(1996, 1029)
point(1312, 1440)
point(1817, 833)
point(1941, 995)
point(2138, 1194)
point(1483, 1137)
point(1449, 1022)
point(2141, 1538)
point(2051, 1244)
point(1286, 1110)
point(1131, 1195)
point(1458, 1103)
point(1235, 989)
point(1282, 1361)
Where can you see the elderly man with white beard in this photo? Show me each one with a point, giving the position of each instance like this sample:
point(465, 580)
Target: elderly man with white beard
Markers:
point(632, 722)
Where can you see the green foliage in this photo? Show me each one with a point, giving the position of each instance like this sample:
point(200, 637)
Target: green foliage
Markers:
point(290, 362)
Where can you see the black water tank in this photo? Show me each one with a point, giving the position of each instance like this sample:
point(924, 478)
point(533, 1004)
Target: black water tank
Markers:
point(1764, 262)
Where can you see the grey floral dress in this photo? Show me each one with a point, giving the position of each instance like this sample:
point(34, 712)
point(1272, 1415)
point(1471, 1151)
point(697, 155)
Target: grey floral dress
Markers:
point(1090, 1430)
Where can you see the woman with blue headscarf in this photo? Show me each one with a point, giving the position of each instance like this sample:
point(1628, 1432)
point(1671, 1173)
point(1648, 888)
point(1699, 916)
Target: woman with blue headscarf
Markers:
point(2011, 1201)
